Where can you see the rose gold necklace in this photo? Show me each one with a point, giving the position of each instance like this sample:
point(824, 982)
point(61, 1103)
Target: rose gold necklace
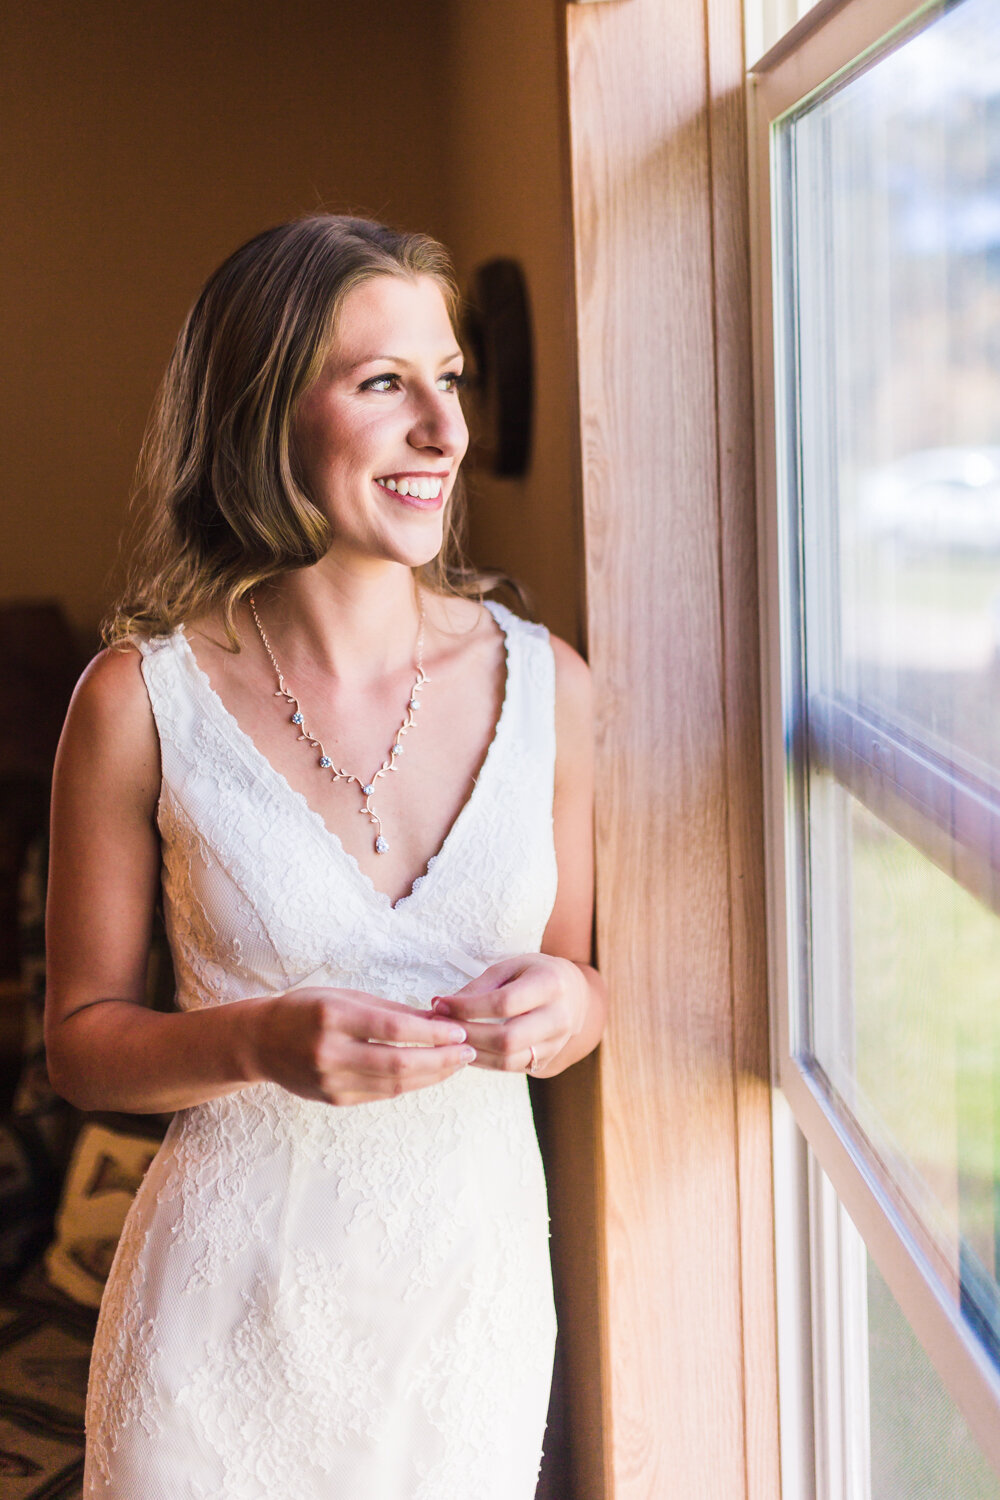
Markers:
point(367, 787)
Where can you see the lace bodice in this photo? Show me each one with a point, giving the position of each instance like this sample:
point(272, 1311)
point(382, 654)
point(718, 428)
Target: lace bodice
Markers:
point(237, 840)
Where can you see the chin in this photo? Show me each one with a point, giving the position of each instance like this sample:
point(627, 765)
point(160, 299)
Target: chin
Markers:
point(417, 552)
point(422, 559)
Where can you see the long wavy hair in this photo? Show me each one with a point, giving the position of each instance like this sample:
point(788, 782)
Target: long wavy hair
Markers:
point(223, 507)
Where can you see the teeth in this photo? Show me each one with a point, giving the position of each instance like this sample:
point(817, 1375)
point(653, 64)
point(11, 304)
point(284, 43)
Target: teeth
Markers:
point(420, 489)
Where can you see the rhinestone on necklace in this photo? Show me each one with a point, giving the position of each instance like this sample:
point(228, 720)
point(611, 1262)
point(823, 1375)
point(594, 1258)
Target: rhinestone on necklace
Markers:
point(366, 786)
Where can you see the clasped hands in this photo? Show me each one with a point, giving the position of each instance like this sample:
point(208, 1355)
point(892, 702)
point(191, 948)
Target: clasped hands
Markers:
point(520, 1013)
point(347, 1047)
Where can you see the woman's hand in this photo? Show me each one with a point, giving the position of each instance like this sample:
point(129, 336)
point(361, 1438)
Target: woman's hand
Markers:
point(524, 1014)
point(346, 1047)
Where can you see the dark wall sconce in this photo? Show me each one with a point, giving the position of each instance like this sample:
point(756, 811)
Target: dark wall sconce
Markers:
point(498, 335)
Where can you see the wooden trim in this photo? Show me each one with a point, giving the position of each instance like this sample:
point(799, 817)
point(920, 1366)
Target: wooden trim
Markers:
point(814, 18)
point(825, 24)
point(741, 653)
point(661, 252)
point(827, 40)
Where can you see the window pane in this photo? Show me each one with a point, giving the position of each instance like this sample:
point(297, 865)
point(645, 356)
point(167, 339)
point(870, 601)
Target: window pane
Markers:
point(921, 1448)
point(897, 268)
point(907, 1032)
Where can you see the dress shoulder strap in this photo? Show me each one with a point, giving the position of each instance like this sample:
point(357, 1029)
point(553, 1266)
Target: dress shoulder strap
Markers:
point(170, 696)
point(530, 694)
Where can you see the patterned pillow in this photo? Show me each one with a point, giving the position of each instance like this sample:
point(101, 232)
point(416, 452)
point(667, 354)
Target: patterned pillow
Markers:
point(104, 1174)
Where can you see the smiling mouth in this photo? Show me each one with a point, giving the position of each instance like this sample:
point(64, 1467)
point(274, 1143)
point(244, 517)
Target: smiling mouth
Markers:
point(413, 486)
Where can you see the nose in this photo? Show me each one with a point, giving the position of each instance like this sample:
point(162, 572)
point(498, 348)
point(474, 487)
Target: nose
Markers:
point(439, 424)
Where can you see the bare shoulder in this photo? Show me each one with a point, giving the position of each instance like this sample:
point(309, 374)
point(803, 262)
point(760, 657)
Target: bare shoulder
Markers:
point(574, 690)
point(109, 726)
point(574, 716)
point(111, 686)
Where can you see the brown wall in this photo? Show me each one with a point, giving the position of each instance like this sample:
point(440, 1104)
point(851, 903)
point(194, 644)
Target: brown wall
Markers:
point(141, 143)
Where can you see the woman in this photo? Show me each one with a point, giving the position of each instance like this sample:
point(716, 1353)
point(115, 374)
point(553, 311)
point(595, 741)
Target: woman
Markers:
point(365, 798)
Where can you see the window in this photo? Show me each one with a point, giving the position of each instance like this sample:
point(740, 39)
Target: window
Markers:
point(878, 310)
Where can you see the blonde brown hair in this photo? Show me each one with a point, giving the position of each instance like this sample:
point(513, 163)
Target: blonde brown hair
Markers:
point(224, 509)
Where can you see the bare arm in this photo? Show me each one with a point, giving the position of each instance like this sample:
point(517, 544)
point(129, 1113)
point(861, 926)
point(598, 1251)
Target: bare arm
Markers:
point(569, 933)
point(550, 1005)
point(105, 1049)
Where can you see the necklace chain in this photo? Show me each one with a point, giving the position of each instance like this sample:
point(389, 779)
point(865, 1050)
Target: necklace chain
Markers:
point(325, 763)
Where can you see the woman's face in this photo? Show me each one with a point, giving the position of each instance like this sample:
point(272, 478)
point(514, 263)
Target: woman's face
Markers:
point(379, 436)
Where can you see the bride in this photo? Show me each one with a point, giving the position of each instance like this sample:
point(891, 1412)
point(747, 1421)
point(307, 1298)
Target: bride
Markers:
point(364, 799)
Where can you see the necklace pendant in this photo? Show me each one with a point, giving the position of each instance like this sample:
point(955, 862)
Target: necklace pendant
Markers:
point(325, 761)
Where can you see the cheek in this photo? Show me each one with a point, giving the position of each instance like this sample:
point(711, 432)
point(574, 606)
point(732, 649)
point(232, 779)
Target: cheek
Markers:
point(326, 445)
point(307, 446)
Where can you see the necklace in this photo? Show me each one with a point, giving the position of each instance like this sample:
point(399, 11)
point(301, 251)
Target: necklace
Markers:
point(367, 787)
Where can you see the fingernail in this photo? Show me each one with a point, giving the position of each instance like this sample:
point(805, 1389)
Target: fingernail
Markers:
point(441, 1008)
point(457, 1034)
point(468, 1054)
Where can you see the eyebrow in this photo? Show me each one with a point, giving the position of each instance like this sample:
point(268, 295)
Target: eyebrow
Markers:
point(397, 359)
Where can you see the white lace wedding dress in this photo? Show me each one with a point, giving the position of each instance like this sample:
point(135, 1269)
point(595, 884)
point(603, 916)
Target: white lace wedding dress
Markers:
point(320, 1303)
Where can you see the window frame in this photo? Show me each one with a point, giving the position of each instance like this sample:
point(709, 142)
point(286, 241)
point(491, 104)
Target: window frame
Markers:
point(898, 778)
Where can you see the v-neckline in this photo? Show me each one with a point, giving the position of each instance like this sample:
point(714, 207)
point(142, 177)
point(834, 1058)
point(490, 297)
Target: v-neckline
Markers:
point(266, 771)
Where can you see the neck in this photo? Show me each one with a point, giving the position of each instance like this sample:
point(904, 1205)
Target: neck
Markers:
point(356, 627)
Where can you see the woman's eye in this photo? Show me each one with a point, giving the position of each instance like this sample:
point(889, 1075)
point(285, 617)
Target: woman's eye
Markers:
point(453, 381)
point(380, 383)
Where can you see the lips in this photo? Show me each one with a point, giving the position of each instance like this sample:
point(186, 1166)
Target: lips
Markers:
point(412, 486)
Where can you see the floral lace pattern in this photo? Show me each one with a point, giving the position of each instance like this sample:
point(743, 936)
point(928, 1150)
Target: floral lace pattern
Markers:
point(126, 1363)
point(327, 1302)
point(270, 1373)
